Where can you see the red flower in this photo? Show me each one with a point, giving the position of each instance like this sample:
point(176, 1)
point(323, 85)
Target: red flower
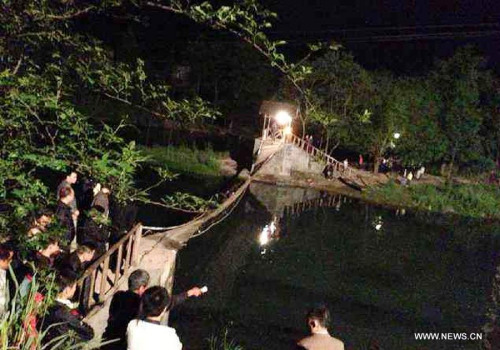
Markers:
point(75, 312)
point(38, 297)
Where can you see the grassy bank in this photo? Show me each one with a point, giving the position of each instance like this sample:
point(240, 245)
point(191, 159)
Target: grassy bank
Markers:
point(473, 200)
point(187, 160)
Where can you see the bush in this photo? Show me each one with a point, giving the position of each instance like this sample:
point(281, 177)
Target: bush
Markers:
point(474, 200)
point(222, 342)
point(18, 328)
point(185, 159)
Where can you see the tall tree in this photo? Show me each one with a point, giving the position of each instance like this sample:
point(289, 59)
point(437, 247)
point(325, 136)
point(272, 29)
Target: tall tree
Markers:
point(52, 71)
point(457, 82)
point(338, 87)
point(421, 139)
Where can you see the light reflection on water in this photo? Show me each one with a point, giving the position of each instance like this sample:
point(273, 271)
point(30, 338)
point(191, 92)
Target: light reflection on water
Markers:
point(417, 272)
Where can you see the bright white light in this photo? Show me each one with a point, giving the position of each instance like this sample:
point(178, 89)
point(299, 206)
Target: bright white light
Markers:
point(272, 228)
point(287, 130)
point(264, 236)
point(397, 135)
point(283, 118)
point(378, 227)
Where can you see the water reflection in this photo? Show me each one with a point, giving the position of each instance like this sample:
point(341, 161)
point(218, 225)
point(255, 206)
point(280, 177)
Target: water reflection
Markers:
point(418, 272)
point(269, 232)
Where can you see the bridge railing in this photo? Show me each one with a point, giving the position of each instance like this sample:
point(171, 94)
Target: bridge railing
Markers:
point(103, 277)
point(338, 167)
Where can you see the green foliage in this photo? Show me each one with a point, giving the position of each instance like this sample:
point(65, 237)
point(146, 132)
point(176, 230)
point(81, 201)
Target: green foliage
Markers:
point(450, 115)
point(183, 159)
point(457, 83)
point(189, 202)
point(51, 75)
point(16, 330)
point(221, 342)
point(336, 86)
point(422, 141)
point(473, 200)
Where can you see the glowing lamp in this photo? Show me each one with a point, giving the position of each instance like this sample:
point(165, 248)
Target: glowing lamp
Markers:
point(283, 118)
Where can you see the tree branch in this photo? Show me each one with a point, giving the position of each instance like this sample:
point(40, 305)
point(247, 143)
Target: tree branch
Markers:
point(127, 102)
point(164, 7)
point(18, 65)
point(187, 211)
point(72, 15)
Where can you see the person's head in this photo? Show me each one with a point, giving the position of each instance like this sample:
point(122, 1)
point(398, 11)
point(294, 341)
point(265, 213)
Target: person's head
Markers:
point(318, 318)
point(66, 194)
point(154, 302)
point(66, 285)
point(44, 217)
point(6, 254)
point(86, 252)
point(51, 248)
point(71, 178)
point(138, 281)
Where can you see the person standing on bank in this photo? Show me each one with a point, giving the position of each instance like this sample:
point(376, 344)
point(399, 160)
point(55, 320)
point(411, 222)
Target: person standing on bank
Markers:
point(318, 319)
point(61, 320)
point(125, 307)
point(69, 181)
point(65, 214)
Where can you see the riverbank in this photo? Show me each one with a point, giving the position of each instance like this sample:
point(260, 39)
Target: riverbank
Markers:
point(191, 160)
point(471, 200)
point(431, 193)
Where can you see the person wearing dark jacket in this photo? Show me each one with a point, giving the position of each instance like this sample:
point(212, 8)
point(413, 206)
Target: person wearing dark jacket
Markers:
point(43, 260)
point(61, 322)
point(77, 261)
point(70, 179)
point(125, 307)
point(101, 198)
point(94, 232)
point(65, 213)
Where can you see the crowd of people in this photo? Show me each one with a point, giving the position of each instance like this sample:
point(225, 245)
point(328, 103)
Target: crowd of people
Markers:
point(56, 249)
point(136, 316)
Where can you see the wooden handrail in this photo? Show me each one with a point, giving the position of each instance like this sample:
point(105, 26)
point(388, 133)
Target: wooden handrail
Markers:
point(96, 279)
point(316, 152)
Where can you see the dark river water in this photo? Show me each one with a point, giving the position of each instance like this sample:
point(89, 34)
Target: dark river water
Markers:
point(384, 274)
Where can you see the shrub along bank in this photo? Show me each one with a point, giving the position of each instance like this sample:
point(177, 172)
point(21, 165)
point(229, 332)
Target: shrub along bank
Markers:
point(472, 200)
point(190, 160)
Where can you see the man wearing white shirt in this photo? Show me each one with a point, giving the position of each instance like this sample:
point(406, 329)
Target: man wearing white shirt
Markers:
point(147, 332)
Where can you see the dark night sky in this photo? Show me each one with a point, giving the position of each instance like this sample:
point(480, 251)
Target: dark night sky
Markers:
point(404, 36)
point(401, 35)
